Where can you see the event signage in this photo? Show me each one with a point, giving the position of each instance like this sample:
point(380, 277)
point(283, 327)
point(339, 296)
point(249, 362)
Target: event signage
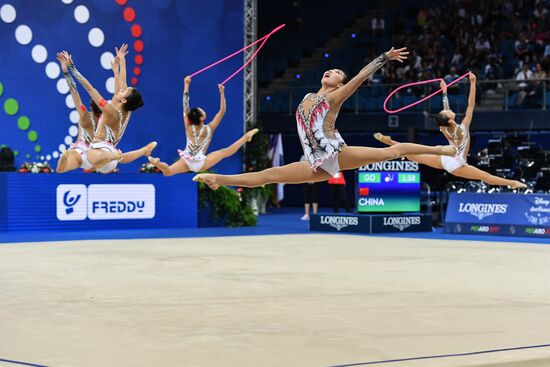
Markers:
point(105, 202)
point(504, 214)
point(370, 223)
point(94, 201)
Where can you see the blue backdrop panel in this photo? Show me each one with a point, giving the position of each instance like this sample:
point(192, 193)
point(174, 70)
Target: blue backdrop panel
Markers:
point(178, 36)
point(504, 214)
point(93, 201)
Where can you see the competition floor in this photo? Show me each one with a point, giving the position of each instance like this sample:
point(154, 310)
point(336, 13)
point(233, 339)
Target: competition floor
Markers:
point(273, 300)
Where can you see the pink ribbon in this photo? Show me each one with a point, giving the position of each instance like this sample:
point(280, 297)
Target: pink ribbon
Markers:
point(423, 99)
point(263, 40)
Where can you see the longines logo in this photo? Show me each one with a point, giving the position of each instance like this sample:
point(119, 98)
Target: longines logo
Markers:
point(391, 166)
point(482, 210)
point(339, 222)
point(401, 222)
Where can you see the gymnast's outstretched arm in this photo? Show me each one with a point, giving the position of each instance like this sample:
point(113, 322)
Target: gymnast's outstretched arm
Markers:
point(119, 67)
point(96, 97)
point(72, 86)
point(339, 96)
point(187, 83)
point(121, 53)
point(471, 101)
point(218, 118)
point(445, 99)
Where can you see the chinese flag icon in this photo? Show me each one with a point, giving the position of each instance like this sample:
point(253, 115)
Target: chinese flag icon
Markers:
point(364, 191)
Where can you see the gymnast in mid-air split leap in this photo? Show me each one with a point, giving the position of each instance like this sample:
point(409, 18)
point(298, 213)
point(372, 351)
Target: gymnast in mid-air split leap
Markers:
point(458, 135)
point(199, 136)
point(325, 150)
point(102, 154)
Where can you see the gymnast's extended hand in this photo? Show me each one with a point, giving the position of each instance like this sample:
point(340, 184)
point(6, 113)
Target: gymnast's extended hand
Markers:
point(63, 61)
point(443, 86)
point(187, 81)
point(400, 54)
point(120, 58)
point(122, 51)
point(68, 58)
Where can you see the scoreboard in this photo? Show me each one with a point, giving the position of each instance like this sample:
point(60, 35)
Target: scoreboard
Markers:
point(392, 186)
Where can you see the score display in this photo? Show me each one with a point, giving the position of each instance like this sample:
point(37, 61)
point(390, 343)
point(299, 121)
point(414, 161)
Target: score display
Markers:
point(392, 186)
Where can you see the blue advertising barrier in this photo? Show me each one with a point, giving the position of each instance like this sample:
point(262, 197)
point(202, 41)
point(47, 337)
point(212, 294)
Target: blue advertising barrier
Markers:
point(499, 214)
point(92, 201)
point(375, 223)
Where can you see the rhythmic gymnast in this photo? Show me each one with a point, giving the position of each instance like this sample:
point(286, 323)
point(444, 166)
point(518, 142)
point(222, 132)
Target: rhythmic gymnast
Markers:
point(458, 135)
point(199, 135)
point(103, 155)
point(323, 146)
